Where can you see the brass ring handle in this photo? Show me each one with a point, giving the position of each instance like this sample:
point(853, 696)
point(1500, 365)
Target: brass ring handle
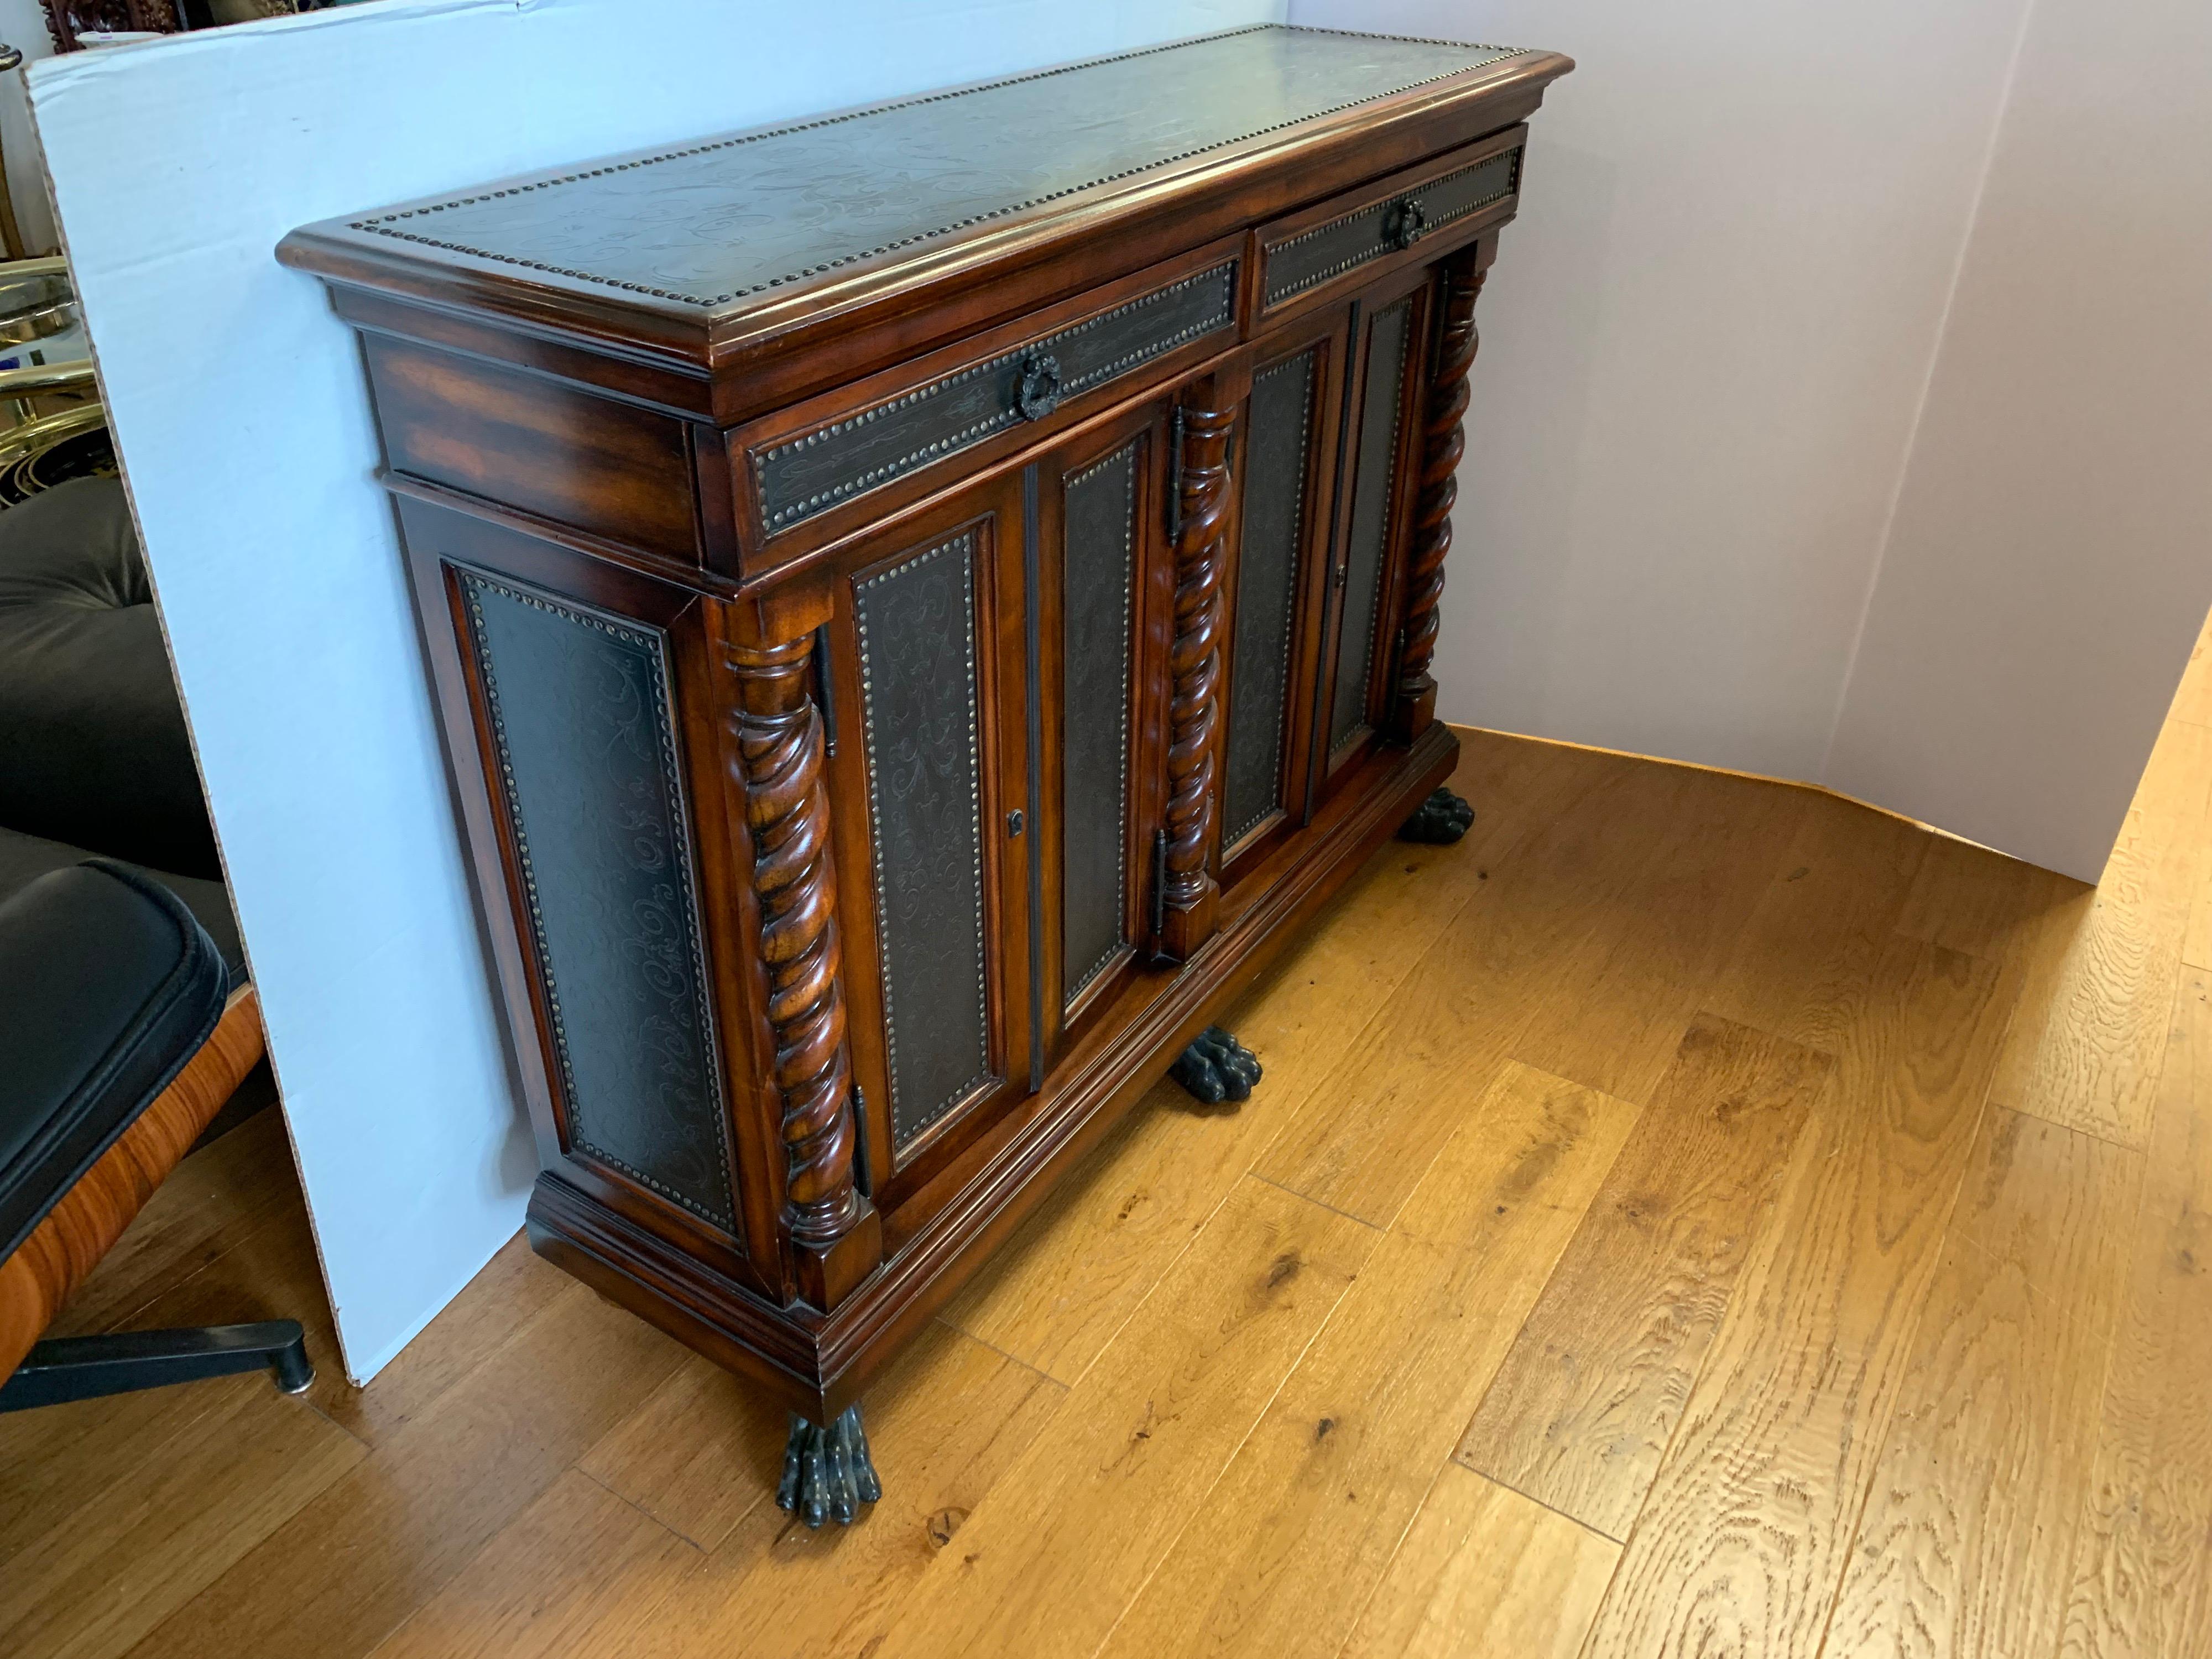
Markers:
point(1408, 222)
point(1036, 390)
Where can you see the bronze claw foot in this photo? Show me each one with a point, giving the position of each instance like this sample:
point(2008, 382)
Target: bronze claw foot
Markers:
point(827, 1473)
point(1439, 821)
point(1216, 1067)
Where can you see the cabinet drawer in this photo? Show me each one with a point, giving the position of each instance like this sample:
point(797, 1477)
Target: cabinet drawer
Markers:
point(836, 462)
point(1361, 233)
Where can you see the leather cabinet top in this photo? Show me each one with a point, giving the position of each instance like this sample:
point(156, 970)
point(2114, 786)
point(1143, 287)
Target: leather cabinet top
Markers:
point(701, 251)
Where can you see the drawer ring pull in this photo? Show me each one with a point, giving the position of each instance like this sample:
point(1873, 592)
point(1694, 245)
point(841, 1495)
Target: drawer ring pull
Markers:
point(1036, 391)
point(1407, 222)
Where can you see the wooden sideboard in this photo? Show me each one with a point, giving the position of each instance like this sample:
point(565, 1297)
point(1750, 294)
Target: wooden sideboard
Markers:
point(923, 602)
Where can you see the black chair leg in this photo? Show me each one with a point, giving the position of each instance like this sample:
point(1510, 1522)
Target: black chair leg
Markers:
point(85, 1367)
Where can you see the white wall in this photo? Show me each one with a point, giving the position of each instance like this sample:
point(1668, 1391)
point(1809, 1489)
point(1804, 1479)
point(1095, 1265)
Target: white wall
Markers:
point(2052, 557)
point(1700, 499)
point(1703, 345)
point(241, 413)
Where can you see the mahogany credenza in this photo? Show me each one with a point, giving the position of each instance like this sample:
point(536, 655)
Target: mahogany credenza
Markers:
point(922, 603)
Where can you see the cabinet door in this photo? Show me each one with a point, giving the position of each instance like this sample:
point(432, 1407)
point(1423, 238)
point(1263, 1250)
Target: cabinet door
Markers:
point(1278, 587)
point(1105, 586)
point(929, 770)
point(1389, 326)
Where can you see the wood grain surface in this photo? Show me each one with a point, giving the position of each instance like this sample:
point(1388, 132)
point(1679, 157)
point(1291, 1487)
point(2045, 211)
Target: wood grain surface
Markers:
point(1280, 1555)
point(2143, 1566)
point(1587, 1400)
point(1948, 1397)
point(1484, 1569)
point(1965, 1542)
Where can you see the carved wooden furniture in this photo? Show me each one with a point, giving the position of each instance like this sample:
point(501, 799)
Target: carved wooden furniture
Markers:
point(923, 602)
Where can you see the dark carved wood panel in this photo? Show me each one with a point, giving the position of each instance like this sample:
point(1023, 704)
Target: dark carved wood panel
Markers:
point(780, 737)
point(602, 467)
point(1373, 491)
point(1099, 546)
point(1275, 486)
point(922, 729)
point(1443, 444)
point(589, 781)
point(763, 210)
point(1384, 226)
point(850, 456)
point(1189, 894)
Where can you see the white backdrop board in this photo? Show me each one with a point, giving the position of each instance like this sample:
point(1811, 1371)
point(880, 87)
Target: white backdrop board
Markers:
point(239, 407)
point(1702, 514)
point(2051, 560)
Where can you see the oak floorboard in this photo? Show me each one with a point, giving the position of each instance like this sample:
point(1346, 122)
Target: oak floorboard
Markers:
point(1279, 1557)
point(2177, 780)
point(265, 1458)
point(512, 1291)
point(387, 1536)
point(697, 1456)
point(1804, 960)
point(546, 1580)
point(1964, 1546)
point(2086, 1049)
point(1056, 1293)
point(1586, 1400)
point(1360, 1139)
point(2192, 699)
point(1069, 1533)
point(1485, 1570)
point(1741, 1542)
point(1968, 898)
point(947, 1420)
point(59, 1458)
point(1626, 991)
point(2197, 933)
point(2142, 1579)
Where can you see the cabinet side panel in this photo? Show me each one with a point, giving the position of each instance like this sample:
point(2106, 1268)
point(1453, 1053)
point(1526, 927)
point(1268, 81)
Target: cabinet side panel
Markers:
point(1267, 587)
point(591, 787)
point(532, 442)
point(1100, 584)
point(1373, 483)
point(916, 625)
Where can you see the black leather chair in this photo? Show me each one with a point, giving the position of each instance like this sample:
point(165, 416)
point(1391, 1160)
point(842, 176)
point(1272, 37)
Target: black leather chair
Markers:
point(125, 1016)
point(111, 988)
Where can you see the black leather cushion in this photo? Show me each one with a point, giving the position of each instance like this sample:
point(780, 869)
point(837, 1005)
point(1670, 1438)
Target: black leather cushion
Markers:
point(93, 747)
point(24, 859)
point(108, 986)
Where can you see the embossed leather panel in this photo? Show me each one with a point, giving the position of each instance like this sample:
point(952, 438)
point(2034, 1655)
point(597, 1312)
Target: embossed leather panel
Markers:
point(918, 690)
point(711, 223)
point(1101, 579)
point(1267, 583)
point(579, 716)
point(813, 473)
point(1314, 257)
point(1364, 545)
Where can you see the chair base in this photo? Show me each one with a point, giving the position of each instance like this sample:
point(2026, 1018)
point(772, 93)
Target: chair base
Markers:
point(86, 1367)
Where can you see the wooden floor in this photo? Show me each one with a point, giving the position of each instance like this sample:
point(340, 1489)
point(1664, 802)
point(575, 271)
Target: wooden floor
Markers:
point(1805, 1221)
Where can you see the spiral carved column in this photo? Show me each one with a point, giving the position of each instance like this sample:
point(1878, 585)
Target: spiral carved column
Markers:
point(779, 750)
point(1413, 701)
point(1191, 896)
